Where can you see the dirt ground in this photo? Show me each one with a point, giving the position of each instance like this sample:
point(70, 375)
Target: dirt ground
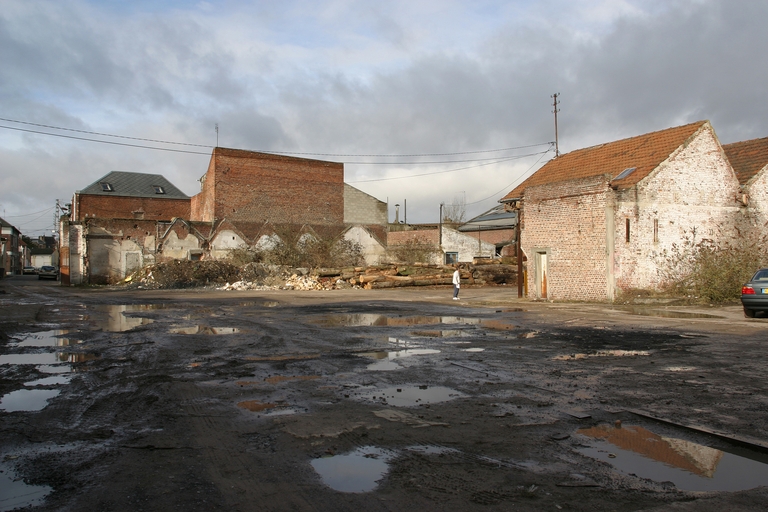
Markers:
point(400, 399)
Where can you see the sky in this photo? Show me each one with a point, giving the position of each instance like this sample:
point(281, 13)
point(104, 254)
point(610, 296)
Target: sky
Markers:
point(425, 101)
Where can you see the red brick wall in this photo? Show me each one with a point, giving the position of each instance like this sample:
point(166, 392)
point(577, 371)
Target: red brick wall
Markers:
point(425, 236)
point(568, 219)
point(259, 187)
point(121, 207)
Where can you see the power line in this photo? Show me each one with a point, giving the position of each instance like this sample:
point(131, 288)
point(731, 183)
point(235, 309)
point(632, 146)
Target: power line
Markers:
point(101, 134)
point(515, 181)
point(517, 157)
point(29, 214)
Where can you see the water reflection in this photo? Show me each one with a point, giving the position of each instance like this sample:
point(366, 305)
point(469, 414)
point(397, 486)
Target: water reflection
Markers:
point(204, 329)
point(690, 466)
point(51, 338)
point(112, 318)
point(27, 399)
point(386, 358)
point(407, 396)
point(358, 471)
point(14, 493)
point(368, 319)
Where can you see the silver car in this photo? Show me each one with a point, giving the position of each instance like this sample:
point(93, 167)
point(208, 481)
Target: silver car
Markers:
point(48, 272)
point(754, 294)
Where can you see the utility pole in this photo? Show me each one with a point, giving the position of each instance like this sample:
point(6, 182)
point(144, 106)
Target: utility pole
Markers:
point(56, 215)
point(217, 134)
point(556, 110)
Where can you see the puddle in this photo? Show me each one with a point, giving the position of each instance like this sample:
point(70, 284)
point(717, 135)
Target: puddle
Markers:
point(49, 381)
point(386, 358)
point(112, 318)
point(46, 358)
point(680, 368)
point(358, 471)
point(474, 349)
point(603, 353)
point(46, 339)
point(363, 320)
point(203, 329)
point(27, 399)
point(58, 368)
point(407, 396)
point(663, 313)
point(15, 494)
point(690, 466)
point(448, 333)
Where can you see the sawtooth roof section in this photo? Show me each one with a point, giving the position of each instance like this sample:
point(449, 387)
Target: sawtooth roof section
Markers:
point(643, 152)
point(134, 184)
point(747, 157)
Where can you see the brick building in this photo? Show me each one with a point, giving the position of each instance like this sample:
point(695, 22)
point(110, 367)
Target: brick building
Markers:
point(750, 162)
point(603, 219)
point(127, 220)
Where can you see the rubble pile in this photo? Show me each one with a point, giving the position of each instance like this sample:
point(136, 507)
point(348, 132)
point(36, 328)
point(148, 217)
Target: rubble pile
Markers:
point(259, 276)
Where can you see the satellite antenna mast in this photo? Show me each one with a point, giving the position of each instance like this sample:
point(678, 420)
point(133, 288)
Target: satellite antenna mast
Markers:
point(556, 110)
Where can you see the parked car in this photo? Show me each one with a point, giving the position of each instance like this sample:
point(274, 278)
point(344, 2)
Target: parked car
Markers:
point(754, 294)
point(48, 272)
point(29, 270)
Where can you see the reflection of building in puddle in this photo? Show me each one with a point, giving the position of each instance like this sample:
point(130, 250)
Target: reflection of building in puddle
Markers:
point(204, 329)
point(80, 357)
point(406, 396)
point(603, 353)
point(367, 319)
point(386, 358)
point(112, 318)
point(474, 349)
point(694, 458)
point(447, 333)
point(276, 379)
point(47, 339)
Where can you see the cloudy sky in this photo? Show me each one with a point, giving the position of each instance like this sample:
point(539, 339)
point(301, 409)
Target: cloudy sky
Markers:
point(425, 101)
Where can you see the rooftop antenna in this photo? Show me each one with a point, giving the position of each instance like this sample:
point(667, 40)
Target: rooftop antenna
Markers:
point(556, 110)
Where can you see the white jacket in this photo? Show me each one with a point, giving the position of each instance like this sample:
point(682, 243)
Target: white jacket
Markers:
point(456, 278)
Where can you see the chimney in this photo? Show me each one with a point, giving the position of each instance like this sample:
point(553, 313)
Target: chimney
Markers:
point(397, 214)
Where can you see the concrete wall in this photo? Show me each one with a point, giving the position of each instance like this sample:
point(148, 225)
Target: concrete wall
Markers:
point(373, 251)
point(223, 243)
point(362, 208)
point(466, 246)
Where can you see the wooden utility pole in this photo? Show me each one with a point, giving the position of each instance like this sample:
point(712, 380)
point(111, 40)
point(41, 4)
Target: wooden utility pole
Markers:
point(556, 110)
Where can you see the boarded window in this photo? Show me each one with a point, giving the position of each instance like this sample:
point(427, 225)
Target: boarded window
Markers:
point(655, 230)
point(627, 230)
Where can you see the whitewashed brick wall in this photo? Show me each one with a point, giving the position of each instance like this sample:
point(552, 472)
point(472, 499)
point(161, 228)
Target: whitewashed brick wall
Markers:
point(693, 191)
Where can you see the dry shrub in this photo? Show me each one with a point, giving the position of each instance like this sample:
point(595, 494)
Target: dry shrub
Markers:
point(189, 274)
point(712, 271)
point(413, 251)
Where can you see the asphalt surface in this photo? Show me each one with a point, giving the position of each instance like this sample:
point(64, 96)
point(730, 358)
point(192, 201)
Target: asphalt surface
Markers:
point(375, 400)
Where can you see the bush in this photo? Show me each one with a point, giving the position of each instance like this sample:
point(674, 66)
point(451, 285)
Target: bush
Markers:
point(714, 271)
point(413, 251)
point(305, 251)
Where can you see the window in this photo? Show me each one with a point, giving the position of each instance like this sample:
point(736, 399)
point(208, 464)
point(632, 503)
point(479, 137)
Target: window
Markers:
point(626, 172)
point(655, 231)
point(158, 189)
point(627, 230)
point(106, 187)
point(451, 258)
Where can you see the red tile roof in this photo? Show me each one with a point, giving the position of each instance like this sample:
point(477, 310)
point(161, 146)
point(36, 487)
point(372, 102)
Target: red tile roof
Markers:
point(747, 157)
point(644, 153)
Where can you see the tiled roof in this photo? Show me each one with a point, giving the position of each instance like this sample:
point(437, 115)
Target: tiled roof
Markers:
point(644, 153)
point(747, 157)
point(134, 184)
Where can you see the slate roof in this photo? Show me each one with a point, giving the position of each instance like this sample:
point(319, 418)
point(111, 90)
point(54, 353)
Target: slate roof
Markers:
point(134, 184)
point(495, 218)
point(643, 152)
point(747, 157)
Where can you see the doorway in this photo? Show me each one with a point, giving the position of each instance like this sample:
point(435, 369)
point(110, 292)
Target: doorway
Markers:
point(540, 277)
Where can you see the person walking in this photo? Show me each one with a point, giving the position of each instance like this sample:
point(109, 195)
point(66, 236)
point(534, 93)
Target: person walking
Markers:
point(456, 283)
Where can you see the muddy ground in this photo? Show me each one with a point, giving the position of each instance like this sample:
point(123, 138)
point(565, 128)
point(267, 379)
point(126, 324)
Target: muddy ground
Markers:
point(375, 400)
